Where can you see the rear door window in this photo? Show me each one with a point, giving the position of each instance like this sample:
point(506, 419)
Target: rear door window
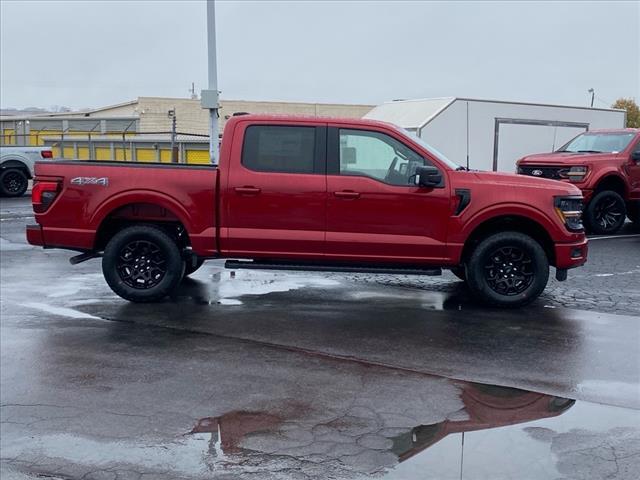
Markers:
point(276, 148)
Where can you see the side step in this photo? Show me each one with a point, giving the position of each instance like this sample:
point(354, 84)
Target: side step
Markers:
point(324, 267)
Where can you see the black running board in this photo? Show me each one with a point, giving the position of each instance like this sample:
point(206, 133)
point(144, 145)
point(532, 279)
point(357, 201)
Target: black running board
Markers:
point(327, 267)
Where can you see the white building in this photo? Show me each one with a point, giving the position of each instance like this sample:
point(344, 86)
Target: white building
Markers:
point(493, 135)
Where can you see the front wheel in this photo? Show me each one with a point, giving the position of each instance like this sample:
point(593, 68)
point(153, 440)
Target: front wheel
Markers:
point(605, 213)
point(142, 263)
point(507, 269)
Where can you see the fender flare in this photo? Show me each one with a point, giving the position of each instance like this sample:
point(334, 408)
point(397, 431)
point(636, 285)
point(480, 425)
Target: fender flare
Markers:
point(607, 173)
point(15, 162)
point(141, 196)
point(509, 210)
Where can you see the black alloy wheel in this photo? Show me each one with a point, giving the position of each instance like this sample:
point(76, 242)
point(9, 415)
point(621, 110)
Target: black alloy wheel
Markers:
point(141, 264)
point(509, 271)
point(14, 183)
point(606, 213)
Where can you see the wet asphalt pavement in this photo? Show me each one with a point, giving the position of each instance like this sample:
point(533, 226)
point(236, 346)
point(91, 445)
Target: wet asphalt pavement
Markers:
point(261, 375)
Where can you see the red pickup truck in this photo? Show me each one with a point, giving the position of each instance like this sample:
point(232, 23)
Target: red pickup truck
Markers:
point(295, 193)
point(605, 166)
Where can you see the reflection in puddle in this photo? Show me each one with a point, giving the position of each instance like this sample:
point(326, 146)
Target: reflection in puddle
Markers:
point(363, 440)
point(234, 284)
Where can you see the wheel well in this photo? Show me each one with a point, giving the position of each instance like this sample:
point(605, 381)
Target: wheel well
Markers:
point(511, 223)
point(141, 213)
point(612, 182)
point(16, 164)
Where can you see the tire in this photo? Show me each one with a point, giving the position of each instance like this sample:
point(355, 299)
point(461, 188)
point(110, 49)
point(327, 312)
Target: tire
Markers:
point(190, 267)
point(605, 213)
point(154, 266)
point(460, 272)
point(13, 182)
point(507, 269)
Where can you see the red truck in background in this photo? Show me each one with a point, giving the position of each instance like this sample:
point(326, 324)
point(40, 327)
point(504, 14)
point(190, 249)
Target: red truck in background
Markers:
point(295, 193)
point(605, 166)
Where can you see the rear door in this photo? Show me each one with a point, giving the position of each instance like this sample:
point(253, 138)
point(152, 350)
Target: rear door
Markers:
point(275, 200)
point(374, 211)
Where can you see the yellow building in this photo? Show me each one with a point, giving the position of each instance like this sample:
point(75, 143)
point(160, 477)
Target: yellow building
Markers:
point(140, 130)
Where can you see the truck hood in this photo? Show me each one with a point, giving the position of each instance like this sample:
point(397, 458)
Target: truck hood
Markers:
point(520, 182)
point(565, 158)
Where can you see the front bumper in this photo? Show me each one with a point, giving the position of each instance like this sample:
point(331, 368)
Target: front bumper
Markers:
point(571, 255)
point(34, 235)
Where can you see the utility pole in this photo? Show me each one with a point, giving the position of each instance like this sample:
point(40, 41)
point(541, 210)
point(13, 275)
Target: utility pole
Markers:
point(209, 98)
point(593, 95)
point(172, 115)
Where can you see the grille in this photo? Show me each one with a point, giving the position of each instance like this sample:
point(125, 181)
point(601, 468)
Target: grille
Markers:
point(555, 173)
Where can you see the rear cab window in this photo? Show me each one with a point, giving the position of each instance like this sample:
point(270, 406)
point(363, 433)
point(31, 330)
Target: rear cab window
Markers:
point(284, 149)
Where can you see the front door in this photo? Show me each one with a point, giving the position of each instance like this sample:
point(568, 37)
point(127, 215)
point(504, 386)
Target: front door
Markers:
point(275, 200)
point(375, 212)
point(633, 170)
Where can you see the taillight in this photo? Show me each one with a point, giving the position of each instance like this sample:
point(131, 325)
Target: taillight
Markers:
point(43, 194)
point(46, 153)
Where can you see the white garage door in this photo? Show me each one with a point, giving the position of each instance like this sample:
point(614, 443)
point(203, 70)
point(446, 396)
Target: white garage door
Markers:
point(515, 140)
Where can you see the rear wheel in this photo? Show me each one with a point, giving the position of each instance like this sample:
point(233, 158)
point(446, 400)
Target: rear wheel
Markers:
point(142, 263)
point(507, 269)
point(13, 182)
point(605, 213)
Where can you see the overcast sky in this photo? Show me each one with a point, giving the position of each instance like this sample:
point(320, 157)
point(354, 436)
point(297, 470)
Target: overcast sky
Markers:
point(91, 53)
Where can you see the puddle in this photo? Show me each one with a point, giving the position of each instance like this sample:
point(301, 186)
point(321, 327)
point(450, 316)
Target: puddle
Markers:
point(434, 428)
point(8, 246)
point(61, 311)
point(233, 284)
point(496, 433)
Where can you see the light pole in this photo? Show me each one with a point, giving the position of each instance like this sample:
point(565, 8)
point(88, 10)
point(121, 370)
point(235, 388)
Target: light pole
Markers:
point(593, 95)
point(209, 98)
point(172, 115)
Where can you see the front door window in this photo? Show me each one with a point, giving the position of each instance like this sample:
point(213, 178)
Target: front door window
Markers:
point(378, 156)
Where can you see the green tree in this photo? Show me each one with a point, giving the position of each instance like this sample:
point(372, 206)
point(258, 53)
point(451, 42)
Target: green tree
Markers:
point(633, 111)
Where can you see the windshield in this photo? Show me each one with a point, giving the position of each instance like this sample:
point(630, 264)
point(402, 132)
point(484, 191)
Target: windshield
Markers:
point(598, 143)
point(438, 154)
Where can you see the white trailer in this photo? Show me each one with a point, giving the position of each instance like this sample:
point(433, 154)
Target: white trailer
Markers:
point(491, 134)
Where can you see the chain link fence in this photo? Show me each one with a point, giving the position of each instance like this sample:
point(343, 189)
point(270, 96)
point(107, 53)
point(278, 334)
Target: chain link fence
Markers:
point(127, 146)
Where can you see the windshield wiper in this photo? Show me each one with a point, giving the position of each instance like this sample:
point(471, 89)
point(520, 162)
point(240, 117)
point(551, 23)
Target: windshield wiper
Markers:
point(589, 151)
point(461, 169)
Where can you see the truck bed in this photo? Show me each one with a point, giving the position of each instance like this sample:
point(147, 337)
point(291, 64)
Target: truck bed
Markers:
point(94, 193)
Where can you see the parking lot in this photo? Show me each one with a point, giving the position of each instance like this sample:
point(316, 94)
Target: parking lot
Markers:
point(290, 375)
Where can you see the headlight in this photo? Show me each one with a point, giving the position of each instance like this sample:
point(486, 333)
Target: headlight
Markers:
point(569, 209)
point(574, 174)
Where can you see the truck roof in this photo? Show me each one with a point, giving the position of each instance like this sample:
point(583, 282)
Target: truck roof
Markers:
point(614, 130)
point(307, 118)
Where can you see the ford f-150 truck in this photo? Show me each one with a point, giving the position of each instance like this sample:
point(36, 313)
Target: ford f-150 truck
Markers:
point(605, 165)
point(296, 193)
point(16, 168)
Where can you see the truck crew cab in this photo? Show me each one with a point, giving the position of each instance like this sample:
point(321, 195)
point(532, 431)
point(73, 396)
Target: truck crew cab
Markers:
point(296, 193)
point(605, 166)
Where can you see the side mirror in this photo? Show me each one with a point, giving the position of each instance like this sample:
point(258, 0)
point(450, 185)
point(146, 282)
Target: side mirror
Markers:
point(635, 156)
point(428, 176)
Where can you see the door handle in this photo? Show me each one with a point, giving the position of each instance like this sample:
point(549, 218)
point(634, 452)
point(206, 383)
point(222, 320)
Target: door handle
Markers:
point(346, 194)
point(247, 190)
